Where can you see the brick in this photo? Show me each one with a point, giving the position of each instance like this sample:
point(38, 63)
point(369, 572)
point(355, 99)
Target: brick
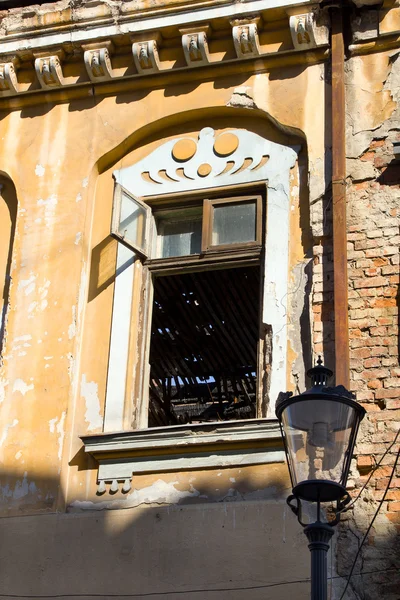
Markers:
point(375, 374)
point(371, 282)
point(352, 237)
point(365, 463)
point(374, 233)
point(388, 393)
point(392, 404)
point(374, 384)
point(361, 353)
point(372, 253)
point(372, 362)
point(374, 331)
point(392, 382)
point(379, 262)
point(379, 351)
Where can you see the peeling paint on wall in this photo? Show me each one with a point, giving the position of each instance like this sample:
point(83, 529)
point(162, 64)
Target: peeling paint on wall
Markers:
point(6, 429)
point(160, 492)
point(39, 170)
point(22, 387)
point(72, 326)
point(3, 384)
point(89, 391)
point(49, 208)
point(28, 285)
point(56, 425)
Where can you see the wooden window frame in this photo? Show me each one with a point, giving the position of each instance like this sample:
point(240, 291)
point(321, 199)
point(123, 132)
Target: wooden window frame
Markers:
point(208, 220)
point(119, 190)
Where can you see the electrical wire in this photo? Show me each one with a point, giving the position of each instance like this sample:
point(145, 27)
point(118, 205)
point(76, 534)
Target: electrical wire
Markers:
point(176, 592)
point(378, 464)
point(372, 522)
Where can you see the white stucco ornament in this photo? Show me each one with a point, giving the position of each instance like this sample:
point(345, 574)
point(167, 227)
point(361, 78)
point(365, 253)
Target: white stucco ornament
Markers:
point(8, 79)
point(98, 64)
point(145, 56)
point(195, 48)
point(245, 38)
point(167, 170)
point(49, 72)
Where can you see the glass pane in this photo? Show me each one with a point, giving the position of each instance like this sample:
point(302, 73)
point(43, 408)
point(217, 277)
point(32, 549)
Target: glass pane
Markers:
point(179, 238)
point(132, 225)
point(317, 435)
point(234, 223)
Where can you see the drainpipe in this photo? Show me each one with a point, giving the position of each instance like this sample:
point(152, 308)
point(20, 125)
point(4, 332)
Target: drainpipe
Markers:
point(342, 361)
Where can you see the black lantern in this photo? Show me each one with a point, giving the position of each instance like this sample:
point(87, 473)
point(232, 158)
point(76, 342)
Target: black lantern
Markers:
point(319, 429)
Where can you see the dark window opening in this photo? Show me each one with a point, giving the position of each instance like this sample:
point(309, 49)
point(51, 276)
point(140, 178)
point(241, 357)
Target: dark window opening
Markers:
point(203, 352)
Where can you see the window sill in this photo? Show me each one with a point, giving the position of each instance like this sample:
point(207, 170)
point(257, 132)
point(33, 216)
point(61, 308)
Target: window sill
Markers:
point(183, 447)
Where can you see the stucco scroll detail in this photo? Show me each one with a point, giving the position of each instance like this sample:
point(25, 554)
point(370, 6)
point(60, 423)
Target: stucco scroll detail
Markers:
point(8, 79)
point(245, 38)
point(195, 48)
point(308, 30)
point(114, 485)
point(49, 72)
point(98, 64)
point(145, 56)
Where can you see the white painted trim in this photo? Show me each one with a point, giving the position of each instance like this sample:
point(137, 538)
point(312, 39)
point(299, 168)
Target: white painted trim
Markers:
point(175, 436)
point(119, 345)
point(208, 445)
point(81, 33)
point(122, 469)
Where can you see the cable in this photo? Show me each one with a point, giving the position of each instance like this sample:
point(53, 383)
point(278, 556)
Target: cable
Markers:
point(372, 522)
point(348, 506)
point(196, 591)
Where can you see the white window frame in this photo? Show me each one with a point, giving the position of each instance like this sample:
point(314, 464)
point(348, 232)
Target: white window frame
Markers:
point(275, 174)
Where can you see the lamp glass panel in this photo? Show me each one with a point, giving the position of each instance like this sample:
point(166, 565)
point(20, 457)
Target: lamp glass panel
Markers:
point(132, 222)
point(318, 435)
point(234, 223)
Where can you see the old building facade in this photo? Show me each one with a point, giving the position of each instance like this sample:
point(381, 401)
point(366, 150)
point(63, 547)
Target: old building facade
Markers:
point(174, 252)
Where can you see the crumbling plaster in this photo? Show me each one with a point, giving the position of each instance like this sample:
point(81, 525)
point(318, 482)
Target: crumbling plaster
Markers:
point(56, 203)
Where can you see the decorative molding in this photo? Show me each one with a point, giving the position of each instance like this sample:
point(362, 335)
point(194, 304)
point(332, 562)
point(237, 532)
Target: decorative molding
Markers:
point(162, 449)
point(145, 56)
point(98, 64)
point(96, 44)
point(308, 29)
point(49, 72)
point(8, 80)
point(246, 158)
point(195, 48)
point(245, 37)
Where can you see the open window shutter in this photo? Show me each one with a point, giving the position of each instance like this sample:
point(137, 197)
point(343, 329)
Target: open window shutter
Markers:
point(131, 221)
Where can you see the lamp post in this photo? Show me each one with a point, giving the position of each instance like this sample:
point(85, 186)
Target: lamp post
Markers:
point(319, 429)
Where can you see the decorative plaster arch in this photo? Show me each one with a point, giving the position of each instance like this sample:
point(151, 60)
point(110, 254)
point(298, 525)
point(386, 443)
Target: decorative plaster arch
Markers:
point(234, 157)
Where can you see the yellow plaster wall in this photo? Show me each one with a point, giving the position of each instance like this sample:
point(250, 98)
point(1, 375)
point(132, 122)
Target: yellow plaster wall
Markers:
point(53, 154)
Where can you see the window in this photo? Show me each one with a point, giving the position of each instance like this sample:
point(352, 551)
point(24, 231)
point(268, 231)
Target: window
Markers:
point(193, 198)
point(204, 260)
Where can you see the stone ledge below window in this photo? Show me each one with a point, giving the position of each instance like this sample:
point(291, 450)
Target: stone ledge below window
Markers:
point(122, 455)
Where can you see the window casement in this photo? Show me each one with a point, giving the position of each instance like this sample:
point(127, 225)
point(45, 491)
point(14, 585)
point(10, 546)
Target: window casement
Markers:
point(203, 259)
point(179, 254)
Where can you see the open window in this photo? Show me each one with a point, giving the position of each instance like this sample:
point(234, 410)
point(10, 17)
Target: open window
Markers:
point(130, 222)
point(202, 350)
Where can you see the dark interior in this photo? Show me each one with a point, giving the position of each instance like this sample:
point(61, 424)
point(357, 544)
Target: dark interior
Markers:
point(203, 353)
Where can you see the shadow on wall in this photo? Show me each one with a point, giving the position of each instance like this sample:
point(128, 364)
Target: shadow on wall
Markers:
point(376, 572)
point(222, 547)
point(8, 220)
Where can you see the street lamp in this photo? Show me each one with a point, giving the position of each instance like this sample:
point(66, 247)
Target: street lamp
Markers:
point(319, 429)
